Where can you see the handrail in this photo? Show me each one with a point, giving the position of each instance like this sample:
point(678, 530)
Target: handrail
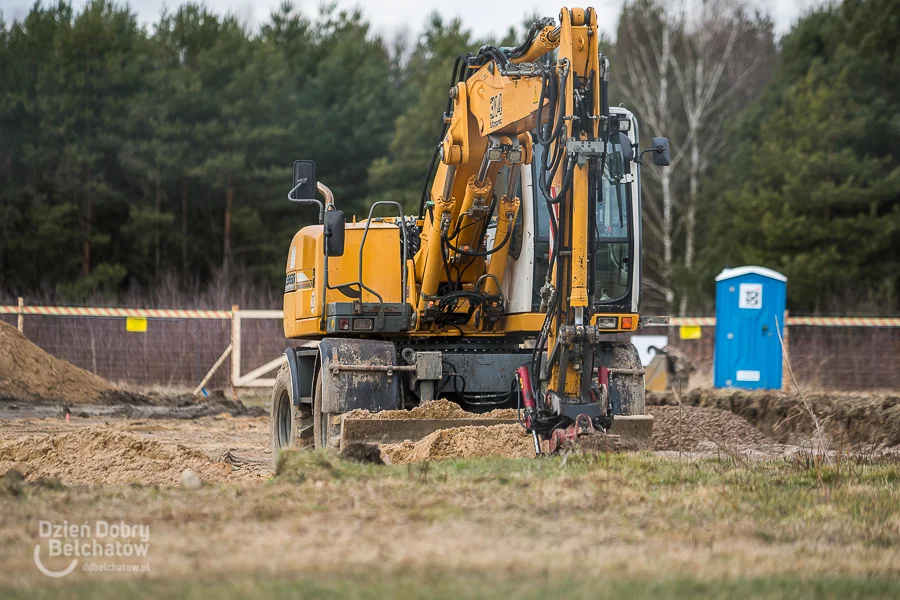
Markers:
point(359, 283)
point(362, 246)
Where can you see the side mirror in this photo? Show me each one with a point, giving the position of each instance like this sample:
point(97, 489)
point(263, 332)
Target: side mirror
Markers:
point(334, 232)
point(627, 146)
point(660, 149)
point(304, 180)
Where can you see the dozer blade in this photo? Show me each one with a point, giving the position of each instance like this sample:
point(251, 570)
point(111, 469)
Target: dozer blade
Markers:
point(634, 431)
point(392, 431)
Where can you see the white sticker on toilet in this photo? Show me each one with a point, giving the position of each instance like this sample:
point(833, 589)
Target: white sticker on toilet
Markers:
point(750, 296)
point(747, 376)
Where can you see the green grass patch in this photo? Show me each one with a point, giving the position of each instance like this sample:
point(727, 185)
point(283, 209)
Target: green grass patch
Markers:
point(414, 586)
point(785, 500)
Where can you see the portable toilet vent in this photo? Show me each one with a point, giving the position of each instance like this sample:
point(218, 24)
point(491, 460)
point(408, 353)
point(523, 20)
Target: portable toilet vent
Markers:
point(750, 304)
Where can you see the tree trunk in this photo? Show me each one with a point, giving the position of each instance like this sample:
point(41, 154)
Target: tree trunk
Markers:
point(690, 219)
point(226, 251)
point(666, 175)
point(184, 224)
point(690, 227)
point(86, 235)
point(156, 227)
point(86, 239)
point(668, 226)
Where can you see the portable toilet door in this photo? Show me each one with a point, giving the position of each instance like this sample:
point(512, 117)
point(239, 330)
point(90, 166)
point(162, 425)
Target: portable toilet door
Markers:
point(750, 304)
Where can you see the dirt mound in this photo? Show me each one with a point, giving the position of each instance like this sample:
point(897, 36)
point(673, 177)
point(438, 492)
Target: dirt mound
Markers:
point(508, 441)
point(29, 374)
point(598, 443)
point(851, 419)
point(197, 408)
point(439, 409)
point(497, 413)
point(705, 429)
point(100, 456)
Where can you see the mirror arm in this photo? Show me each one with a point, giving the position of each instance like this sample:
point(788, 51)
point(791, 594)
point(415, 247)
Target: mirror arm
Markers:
point(658, 149)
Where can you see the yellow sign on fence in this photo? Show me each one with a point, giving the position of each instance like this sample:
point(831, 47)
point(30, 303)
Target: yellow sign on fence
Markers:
point(690, 332)
point(136, 324)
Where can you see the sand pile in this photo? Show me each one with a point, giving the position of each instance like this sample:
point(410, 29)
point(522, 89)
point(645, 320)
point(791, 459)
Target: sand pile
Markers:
point(99, 456)
point(497, 413)
point(705, 429)
point(508, 441)
point(439, 409)
point(29, 374)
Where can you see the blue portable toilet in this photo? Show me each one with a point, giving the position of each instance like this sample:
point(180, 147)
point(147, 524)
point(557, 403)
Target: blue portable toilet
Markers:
point(750, 305)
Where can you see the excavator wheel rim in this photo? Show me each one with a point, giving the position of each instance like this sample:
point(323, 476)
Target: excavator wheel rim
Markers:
point(283, 423)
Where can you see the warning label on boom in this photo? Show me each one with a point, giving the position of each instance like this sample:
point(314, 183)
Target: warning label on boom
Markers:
point(496, 116)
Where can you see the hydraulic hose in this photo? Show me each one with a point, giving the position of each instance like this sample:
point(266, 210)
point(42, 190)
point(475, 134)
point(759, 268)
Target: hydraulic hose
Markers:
point(486, 252)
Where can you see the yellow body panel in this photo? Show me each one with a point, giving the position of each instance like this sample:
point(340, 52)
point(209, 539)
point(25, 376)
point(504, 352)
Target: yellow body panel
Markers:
point(501, 105)
point(382, 272)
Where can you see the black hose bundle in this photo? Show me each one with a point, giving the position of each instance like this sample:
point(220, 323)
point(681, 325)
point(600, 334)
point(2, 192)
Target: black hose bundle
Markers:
point(484, 253)
point(448, 304)
point(535, 28)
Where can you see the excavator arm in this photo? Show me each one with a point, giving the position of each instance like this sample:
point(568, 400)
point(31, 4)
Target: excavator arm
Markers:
point(498, 98)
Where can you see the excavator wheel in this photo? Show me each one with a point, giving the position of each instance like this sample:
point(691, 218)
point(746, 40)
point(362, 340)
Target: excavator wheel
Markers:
point(326, 435)
point(290, 426)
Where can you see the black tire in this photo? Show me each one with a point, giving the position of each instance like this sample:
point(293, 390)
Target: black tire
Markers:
point(323, 431)
point(289, 425)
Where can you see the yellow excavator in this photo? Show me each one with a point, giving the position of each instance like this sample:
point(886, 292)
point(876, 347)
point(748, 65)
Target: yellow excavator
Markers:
point(511, 287)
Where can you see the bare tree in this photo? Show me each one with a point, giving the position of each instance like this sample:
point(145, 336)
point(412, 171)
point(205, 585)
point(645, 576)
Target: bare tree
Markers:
point(718, 55)
point(687, 70)
point(648, 33)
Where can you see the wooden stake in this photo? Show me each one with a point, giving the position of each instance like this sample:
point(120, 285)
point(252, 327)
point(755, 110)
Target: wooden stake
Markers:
point(235, 348)
point(785, 354)
point(213, 370)
point(20, 322)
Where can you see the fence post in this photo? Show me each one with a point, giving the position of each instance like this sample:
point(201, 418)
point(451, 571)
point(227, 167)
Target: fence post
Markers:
point(235, 348)
point(20, 322)
point(785, 356)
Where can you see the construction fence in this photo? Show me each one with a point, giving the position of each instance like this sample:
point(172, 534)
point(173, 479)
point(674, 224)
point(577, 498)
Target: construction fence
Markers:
point(147, 347)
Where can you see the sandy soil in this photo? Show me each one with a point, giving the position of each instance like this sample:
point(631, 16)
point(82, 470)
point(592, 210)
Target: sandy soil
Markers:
point(143, 444)
point(439, 409)
point(218, 449)
point(100, 447)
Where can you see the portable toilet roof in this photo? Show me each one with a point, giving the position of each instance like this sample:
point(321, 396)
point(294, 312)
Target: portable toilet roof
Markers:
point(738, 271)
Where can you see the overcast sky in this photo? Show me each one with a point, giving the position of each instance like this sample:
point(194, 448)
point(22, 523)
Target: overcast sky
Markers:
point(388, 16)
